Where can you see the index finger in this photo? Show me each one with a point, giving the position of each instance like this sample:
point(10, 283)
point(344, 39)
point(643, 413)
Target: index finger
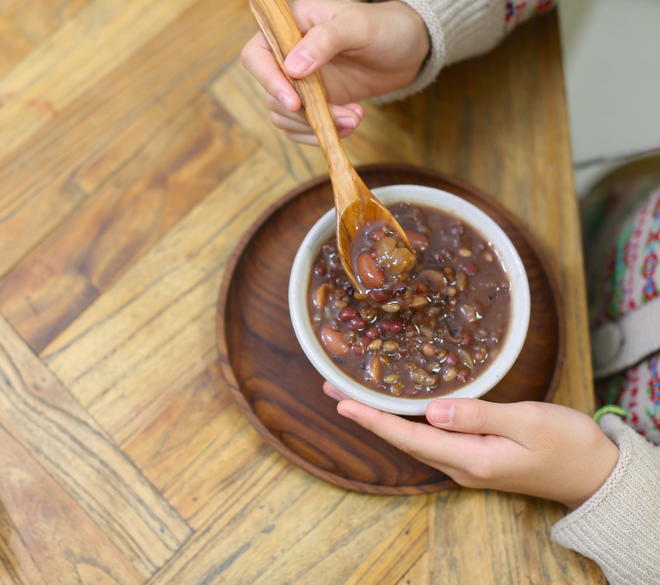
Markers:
point(258, 59)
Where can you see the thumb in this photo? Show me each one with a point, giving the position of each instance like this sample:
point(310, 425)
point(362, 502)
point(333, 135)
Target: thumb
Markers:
point(469, 415)
point(322, 43)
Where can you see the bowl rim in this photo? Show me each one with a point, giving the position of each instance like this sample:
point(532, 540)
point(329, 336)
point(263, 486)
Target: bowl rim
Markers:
point(448, 203)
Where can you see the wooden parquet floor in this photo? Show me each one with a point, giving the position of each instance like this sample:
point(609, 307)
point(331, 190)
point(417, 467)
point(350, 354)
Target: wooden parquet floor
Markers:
point(134, 152)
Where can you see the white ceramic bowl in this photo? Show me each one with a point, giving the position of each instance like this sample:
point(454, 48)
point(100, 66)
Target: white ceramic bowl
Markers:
point(519, 289)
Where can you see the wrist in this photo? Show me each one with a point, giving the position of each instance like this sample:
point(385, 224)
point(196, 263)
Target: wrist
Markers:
point(426, 39)
point(421, 50)
point(603, 458)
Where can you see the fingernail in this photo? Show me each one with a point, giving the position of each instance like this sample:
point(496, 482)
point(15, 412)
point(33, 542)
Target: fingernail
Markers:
point(440, 412)
point(299, 62)
point(347, 122)
point(357, 108)
point(285, 99)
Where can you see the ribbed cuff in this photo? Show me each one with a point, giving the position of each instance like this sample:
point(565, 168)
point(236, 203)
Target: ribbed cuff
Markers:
point(458, 29)
point(619, 526)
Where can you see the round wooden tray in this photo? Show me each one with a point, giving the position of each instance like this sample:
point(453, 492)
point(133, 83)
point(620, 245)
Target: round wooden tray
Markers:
point(280, 392)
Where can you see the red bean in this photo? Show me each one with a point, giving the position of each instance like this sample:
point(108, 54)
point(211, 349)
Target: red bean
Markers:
point(451, 359)
point(396, 327)
point(334, 341)
point(372, 333)
point(380, 296)
point(470, 268)
point(347, 313)
point(319, 270)
point(463, 374)
point(358, 324)
point(418, 241)
point(389, 326)
point(368, 271)
point(376, 235)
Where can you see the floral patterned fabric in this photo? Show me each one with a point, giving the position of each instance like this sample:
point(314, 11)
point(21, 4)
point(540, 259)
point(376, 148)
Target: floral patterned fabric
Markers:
point(622, 245)
point(518, 11)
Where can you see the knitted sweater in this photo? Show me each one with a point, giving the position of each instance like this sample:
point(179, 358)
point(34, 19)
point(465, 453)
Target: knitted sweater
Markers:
point(460, 29)
point(619, 526)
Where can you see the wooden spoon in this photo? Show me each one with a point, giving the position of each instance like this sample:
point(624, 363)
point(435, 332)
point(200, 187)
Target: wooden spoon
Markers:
point(356, 205)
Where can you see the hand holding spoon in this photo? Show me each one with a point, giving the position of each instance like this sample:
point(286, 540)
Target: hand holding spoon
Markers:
point(356, 205)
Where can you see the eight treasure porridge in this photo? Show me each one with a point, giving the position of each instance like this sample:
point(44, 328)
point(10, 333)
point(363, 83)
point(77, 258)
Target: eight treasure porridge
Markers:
point(426, 323)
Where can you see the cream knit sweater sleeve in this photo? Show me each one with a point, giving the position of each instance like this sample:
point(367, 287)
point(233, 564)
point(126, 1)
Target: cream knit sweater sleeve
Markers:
point(619, 526)
point(459, 29)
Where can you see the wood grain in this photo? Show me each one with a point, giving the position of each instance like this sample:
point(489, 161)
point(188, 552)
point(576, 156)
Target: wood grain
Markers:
point(59, 542)
point(89, 138)
point(59, 279)
point(135, 152)
point(129, 344)
point(309, 532)
point(44, 420)
point(24, 25)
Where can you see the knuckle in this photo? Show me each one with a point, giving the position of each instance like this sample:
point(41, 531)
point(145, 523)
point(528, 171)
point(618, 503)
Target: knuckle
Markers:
point(326, 38)
point(370, 420)
point(407, 446)
point(361, 18)
point(479, 418)
point(410, 443)
point(533, 413)
point(481, 470)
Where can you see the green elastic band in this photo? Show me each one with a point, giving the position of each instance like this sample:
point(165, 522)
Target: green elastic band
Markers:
point(610, 409)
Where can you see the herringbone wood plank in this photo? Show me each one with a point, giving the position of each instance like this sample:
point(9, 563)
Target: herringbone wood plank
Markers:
point(134, 152)
point(44, 425)
point(186, 159)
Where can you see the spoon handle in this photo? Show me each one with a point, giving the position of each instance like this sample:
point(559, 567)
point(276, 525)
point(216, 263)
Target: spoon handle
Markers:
point(276, 22)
